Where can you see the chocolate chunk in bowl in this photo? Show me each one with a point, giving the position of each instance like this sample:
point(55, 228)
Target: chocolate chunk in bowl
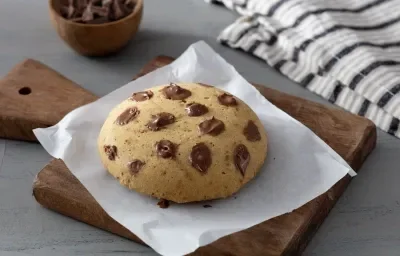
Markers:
point(205, 85)
point(96, 11)
point(92, 28)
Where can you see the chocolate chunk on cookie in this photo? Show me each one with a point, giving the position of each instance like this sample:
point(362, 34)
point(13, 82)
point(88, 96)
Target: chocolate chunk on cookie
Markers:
point(200, 157)
point(135, 166)
point(127, 116)
point(196, 109)
point(160, 120)
point(183, 152)
point(166, 149)
point(212, 127)
point(175, 92)
point(111, 151)
point(251, 131)
point(141, 96)
point(227, 100)
point(241, 157)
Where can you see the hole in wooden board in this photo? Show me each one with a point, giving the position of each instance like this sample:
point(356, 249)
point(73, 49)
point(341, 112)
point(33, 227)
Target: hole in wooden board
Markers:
point(25, 91)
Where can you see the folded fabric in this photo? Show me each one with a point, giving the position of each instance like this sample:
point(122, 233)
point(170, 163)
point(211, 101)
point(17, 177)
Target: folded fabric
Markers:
point(347, 51)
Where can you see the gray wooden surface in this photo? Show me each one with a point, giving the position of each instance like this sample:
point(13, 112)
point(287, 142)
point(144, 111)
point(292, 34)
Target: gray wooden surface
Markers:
point(365, 221)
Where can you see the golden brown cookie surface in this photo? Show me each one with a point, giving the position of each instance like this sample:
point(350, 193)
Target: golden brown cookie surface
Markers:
point(183, 142)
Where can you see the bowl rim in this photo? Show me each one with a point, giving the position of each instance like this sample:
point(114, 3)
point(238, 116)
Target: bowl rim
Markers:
point(138, 8)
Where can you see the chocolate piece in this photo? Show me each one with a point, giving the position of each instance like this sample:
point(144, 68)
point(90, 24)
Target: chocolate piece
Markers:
point(127, 116)
point(67, 11)
point(106, 3)
point(205, 85)
point(135, 166)
point(241, 158)
point(196, 109)
point(100, 11)
point(160, 120)
point(163, 203)
point(97, 3)
point(79, 4)
point(207, 206)
point(88, 14)
point(227, 100)
point(175, 92)
point(95, 14)
point(200, 157)
point(129, 4)
point(211, 126)
point(251, 131)
point(111, 151)
point(141, 96)
point(96, 11)
point(166, 149)
point(118, 12)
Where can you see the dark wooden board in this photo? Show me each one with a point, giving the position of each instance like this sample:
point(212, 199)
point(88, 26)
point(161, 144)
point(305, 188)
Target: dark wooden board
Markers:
point(353, 137)
point(32, 96)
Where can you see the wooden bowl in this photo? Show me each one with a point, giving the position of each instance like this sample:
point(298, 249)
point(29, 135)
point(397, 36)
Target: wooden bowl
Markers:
point(96, 39)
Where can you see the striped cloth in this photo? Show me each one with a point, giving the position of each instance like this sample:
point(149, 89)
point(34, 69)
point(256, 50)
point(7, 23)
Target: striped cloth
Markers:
point(347, 51)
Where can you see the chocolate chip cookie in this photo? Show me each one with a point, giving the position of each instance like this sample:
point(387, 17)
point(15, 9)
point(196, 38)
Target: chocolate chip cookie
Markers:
point(183, 142)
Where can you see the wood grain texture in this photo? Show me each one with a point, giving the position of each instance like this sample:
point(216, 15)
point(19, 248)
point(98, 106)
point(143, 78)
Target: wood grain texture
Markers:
point(96, 39)
point(351, 136)
point(33, 95)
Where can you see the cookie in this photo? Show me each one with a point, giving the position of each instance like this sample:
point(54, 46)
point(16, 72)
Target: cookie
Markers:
point(183, 142)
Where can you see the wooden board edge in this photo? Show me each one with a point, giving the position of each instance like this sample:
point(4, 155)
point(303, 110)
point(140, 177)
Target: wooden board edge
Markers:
point(368, 141)
point(19, 129)
point(21, 126)
point(46, 198)
point(366, 145)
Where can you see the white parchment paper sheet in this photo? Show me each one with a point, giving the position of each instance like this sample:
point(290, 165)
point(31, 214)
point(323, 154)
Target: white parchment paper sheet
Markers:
point(299, 165)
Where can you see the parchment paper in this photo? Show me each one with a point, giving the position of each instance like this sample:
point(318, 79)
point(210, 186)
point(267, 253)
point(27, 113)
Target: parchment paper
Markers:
point(299, 165)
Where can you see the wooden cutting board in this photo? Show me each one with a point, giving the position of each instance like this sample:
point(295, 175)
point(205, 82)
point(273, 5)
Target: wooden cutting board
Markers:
point(55, 187)
point(33, 95)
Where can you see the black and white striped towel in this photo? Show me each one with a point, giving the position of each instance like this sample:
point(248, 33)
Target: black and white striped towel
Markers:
point(347, 51)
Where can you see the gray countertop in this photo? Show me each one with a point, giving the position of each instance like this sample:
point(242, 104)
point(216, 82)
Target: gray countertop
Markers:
point(365, 221)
